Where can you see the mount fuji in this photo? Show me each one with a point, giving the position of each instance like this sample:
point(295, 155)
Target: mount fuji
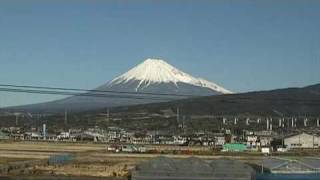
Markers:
point(151, 77)
point(157, 75)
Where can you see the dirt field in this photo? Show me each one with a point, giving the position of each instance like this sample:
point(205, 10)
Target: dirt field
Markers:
point(22, 151)
point(6, 160)
point(93, 166)
point(91, 160)
point(50, 147)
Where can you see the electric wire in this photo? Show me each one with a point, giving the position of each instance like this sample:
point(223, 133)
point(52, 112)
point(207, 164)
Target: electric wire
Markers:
point(99, 91)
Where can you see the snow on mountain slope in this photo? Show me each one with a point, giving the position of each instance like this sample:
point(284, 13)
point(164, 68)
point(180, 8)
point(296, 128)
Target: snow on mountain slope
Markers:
point(213, 86)
point(152, 76)
point(156, 71)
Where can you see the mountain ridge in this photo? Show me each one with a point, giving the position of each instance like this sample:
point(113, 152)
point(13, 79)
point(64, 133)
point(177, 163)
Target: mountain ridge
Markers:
point(294, 101)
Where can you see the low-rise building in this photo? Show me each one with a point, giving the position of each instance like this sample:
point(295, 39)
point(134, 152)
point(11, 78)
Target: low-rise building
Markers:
point(64, 135)
point(302, 140)
point(32, 136)
point(180, 140)
point(265, 141)
point(265, 150)
point(219, 141)
point(252, 141)
point(234, 148)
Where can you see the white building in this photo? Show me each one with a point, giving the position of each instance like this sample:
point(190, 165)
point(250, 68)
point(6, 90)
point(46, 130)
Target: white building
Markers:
point(219, 140)
point(179, 140)
point(265, 141)
point(63, 135)
point(252, 141)
point(302, 141)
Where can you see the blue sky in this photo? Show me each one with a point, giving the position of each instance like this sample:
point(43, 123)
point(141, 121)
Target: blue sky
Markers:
point(241, 45)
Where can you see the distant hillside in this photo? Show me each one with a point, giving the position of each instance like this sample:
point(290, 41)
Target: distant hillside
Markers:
point(290, 101)
point(196, 112)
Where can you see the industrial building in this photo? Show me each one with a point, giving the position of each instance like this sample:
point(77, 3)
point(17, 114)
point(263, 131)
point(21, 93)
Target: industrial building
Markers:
point(163, 168)
point(302, 140)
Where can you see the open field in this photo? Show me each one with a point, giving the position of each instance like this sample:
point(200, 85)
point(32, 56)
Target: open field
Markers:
point(21, 151)
point(5, 160)
point(30, 159)
point(24, 158)
point(50, 147)
point(91, 160)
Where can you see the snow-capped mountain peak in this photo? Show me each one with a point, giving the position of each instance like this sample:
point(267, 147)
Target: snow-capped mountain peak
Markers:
point(157, 71)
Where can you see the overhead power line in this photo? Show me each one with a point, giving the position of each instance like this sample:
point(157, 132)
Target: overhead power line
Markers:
point(68, 93)
point(98, 91)
point(125, 95)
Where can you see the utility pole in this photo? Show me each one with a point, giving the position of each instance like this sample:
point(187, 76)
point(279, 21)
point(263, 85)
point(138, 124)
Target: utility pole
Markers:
point(247, 121)
point(183, 121)
point(65, 117)
point(178, 117)
point(38, 120)
point(270, 124)
point(282, 139)
point(305, 122)
point(17, 118)
point(108, 114)
point(224, 120)
point(44, 131)
point(258, 121)
point(312, 141)
point(178, 113)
